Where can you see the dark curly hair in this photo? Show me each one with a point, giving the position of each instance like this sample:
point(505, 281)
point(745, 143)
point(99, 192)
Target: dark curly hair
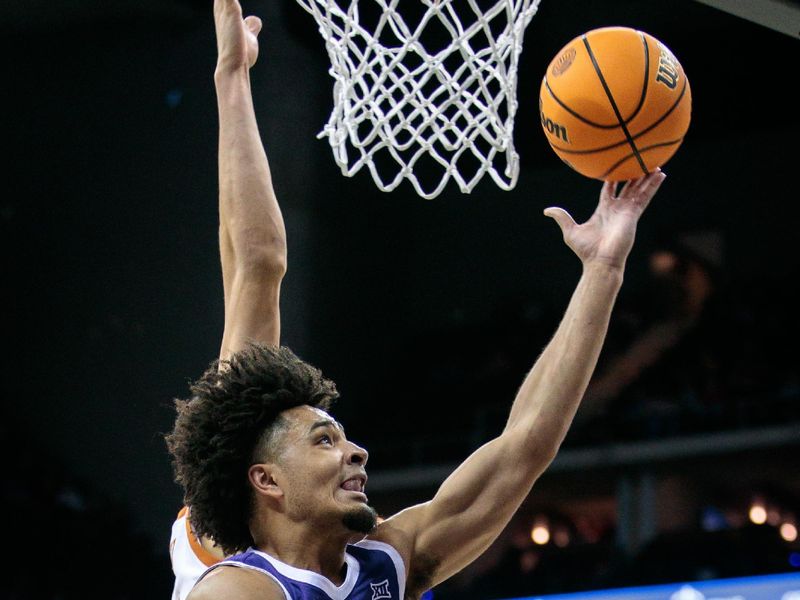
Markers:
point(232, 411)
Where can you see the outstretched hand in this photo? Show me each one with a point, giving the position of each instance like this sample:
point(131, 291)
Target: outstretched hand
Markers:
point(607, 237)
point(237, 38)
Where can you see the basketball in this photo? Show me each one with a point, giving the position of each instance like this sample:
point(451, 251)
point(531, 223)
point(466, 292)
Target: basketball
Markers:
point(615, 104)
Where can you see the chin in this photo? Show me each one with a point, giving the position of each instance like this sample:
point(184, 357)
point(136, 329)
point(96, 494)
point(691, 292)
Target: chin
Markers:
point(362, 519)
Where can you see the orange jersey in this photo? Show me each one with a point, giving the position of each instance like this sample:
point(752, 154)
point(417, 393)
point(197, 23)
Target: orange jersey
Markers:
point(189, 559)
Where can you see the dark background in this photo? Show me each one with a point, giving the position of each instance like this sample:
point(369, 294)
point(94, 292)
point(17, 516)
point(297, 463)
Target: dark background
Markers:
point(114, 296)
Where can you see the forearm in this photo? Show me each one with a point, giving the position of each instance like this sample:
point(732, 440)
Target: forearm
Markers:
point(252, 232)
point(551, 393)
point(476, 502)
point(252, 236)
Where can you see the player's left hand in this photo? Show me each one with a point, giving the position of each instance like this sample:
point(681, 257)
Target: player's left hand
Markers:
point(237, 37)
point(607, 237)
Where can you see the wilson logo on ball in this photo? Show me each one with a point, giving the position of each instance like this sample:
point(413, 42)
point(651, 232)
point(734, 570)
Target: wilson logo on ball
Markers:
point(554, 128)
point(563, 62)
point(668, 69)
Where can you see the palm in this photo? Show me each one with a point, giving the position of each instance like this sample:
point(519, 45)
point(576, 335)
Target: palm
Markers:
point(609, 233)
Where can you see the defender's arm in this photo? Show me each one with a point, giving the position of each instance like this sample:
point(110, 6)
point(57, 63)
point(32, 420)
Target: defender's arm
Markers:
point(252, 236)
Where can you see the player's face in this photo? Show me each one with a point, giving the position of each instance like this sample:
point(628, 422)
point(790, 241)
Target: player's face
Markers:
point(324, 473)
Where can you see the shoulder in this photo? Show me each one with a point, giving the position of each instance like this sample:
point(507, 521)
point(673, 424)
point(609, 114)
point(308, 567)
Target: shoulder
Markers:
point(371, 545)
point(397, 536)
point(394, 532)
point(393, 540)
point(400, 531)
point(229, 582)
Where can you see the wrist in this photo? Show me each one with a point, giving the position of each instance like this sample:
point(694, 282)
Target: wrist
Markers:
point(230, 76)
point(604, 270)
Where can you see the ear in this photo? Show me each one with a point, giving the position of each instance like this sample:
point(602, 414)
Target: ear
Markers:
point(262, 478)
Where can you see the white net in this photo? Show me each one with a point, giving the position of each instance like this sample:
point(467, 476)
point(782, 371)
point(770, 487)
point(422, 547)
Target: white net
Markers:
point(424, 91)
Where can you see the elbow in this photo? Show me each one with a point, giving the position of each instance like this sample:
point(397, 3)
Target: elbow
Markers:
point(264, 261)
point(538, 450)
point(254, 249)
point(274, 262)
point(541, 456)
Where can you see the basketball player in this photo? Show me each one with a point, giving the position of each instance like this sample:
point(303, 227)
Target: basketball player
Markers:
point(272, 478)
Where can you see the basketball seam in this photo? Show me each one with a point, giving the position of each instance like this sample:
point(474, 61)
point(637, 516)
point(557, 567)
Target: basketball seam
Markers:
point(614, 105)
point(572, 112)
point(635, 137)
point(643, 97)
point(642, 150)
point(667, 113)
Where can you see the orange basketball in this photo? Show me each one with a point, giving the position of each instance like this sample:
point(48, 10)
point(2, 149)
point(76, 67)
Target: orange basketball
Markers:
point(615, 104)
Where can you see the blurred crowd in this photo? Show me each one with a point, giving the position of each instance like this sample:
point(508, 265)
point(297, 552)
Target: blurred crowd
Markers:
point(65, 540)
point(521, 568)
point(694, 347)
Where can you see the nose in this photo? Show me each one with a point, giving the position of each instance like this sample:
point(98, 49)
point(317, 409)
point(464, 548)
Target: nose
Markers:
point(357, 455)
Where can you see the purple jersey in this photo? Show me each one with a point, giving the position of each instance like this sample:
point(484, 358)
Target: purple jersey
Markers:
point(375, 571)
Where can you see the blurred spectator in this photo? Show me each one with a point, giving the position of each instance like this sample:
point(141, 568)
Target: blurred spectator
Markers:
point(660, 373)
point(697, 555)
point(698, 349)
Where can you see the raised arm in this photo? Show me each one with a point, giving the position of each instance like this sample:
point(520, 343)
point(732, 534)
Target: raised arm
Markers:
point(252, 236)
point(476, 502)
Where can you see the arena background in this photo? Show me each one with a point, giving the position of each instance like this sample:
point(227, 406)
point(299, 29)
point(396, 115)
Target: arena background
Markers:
point(426, 313)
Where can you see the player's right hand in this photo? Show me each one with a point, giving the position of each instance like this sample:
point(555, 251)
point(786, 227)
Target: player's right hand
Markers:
point(607, 237)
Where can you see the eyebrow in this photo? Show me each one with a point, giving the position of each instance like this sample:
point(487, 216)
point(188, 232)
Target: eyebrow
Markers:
point(326, 423)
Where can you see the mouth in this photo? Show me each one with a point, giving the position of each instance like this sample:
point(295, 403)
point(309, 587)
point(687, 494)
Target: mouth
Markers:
point(355, 484)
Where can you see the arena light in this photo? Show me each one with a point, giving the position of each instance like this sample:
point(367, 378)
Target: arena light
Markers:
point(540, 534)
point(789, 532)
point(758, 514)
point(561, 537)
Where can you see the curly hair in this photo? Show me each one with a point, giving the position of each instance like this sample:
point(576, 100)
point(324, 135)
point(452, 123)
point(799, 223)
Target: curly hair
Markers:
point(233, 410)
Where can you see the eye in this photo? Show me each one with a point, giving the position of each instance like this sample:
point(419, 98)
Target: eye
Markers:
point(325, 439)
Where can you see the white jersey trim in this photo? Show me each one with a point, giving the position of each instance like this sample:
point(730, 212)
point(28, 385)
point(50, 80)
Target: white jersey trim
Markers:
point(326, 585)
point(233, 563)
point(399, 565)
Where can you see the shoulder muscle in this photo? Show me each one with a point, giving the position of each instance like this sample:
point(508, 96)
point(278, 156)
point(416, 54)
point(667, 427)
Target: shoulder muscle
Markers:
point(236, 583)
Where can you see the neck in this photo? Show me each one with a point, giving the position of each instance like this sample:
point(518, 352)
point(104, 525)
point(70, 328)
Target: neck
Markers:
point(304, 546)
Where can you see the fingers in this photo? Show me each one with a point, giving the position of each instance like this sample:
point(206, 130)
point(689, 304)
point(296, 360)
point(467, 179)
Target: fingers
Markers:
point(652, 182)
point(643, 186)
point(647, 187)
point(561, 217)
point(253, 24)
point(231, 7)
point(608, 192)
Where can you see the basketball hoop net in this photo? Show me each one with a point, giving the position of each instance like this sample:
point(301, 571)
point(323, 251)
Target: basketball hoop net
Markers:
point(403, 98)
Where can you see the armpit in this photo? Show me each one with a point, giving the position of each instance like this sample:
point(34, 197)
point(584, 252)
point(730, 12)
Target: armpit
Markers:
point(420, 576)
